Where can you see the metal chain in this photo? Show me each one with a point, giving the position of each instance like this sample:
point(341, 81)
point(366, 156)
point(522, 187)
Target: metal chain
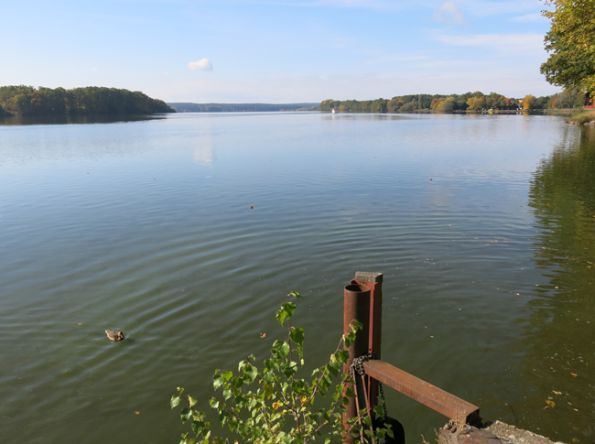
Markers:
point(357, 409)
point(358, 363)
point(382, 402)
point(358, 367)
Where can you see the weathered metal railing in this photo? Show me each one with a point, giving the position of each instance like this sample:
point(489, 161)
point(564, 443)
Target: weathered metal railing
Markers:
point(362, 301)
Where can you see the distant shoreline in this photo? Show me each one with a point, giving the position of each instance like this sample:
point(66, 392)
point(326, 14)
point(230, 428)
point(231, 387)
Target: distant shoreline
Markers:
point(191, 107)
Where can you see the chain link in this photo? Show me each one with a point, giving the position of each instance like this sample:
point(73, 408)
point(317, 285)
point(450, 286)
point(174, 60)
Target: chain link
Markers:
point(358, 363)
point(382, 400)
point(358, 367)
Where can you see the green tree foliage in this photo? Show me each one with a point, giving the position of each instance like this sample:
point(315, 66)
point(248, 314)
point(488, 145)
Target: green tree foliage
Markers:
point(276, 402)
point(498, 101)
point(378, 106)
point(27, 101)
point(571, 44)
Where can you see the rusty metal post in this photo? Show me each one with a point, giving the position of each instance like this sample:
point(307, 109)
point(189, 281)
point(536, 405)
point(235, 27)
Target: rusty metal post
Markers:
point(373, 282)
point(356, 306)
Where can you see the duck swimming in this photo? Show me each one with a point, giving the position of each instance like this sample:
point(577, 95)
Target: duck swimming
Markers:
point(115, 335)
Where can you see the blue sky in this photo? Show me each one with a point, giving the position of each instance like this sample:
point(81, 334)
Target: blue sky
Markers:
point(276, 50)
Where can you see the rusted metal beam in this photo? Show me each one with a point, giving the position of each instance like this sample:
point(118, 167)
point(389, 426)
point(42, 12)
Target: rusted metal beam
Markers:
point(423, 392)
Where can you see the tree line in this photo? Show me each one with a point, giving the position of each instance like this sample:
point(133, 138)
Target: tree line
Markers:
point(467, 102)
point(27, 101)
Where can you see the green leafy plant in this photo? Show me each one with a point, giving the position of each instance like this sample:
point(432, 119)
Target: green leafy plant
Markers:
point(277, 401)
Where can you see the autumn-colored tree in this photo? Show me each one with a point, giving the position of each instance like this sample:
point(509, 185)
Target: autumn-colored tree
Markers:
point(393, 105)
point(528, 102)
point(476, 103)
point(445, 105)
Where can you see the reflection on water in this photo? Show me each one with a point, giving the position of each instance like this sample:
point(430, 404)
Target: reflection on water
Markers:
point(204, 151)
point(366, 116)
point(559, 337)
point(58, 120)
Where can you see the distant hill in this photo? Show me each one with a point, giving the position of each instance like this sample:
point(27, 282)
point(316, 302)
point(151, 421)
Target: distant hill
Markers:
point(183, 107)
point(27, 101)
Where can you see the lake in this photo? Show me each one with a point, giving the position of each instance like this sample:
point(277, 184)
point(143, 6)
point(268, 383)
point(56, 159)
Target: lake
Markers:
point(188, 232)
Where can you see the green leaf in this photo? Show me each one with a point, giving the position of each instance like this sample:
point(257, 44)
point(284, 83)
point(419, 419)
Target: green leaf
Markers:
point(342, 356)
point(248, 371)
point(214, 403)
point(174, 401)
point(185, 439)
point(185, 414)
point(285, 349)
point(291, 369)
point(297, 335)
point(217, 382)
point(285, 312)
point(191, 401)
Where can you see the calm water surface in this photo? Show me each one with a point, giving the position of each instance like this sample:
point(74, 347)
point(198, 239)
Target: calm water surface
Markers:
point(484, 227)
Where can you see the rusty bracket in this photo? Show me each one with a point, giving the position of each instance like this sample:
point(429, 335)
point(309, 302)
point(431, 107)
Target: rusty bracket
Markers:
point(433, 397)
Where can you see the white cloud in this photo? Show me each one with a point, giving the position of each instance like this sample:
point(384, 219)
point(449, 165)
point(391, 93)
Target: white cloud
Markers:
point(449, 12)
point(200, 65)
point(512, 43)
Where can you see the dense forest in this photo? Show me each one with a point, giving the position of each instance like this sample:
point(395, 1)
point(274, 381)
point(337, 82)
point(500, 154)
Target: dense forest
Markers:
point(241, 107)
point(468, 102)
point(27, 101)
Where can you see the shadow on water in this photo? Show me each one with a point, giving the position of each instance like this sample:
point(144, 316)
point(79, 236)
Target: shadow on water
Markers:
point(559, 335)
point(61, 120)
